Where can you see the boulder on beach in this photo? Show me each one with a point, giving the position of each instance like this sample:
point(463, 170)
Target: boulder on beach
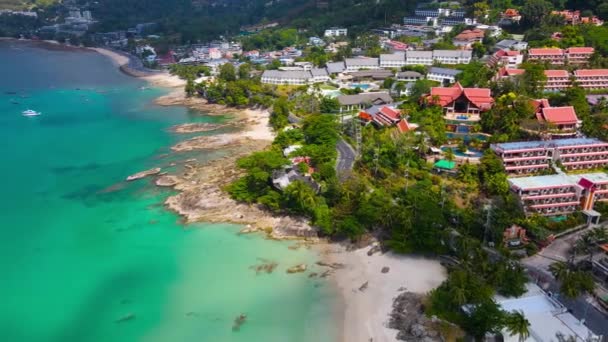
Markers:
point(144, 174)
point(297, 269)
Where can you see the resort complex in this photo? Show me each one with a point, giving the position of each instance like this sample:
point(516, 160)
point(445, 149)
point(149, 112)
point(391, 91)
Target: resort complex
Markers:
point(474, 133)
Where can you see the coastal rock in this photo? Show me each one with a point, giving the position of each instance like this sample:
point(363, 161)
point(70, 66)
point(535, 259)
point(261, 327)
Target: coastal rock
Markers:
point(248, 230)
point(333, 265)
point(196, 127)
point(385, 269)
point(143, 174)
point(266, 267)
point(210, 142)
point(167, 181)
point(297, 269)
point(408, 317)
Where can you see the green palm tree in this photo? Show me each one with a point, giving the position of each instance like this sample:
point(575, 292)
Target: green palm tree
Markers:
point(517, 324)
point(573, 282)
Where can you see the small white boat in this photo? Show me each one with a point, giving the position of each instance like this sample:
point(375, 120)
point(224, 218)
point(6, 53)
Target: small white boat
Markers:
point(30, 112)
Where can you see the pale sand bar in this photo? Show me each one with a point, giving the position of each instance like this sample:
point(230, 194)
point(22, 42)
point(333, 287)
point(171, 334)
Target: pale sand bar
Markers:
point(366, 312)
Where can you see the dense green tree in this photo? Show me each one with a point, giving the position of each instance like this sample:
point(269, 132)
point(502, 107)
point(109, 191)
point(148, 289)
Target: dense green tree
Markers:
point(329, 105)
point(573, 282)
point(485, 317)
point(227, 72)
point(280, 113)
point(533, 11)
point(244, 71)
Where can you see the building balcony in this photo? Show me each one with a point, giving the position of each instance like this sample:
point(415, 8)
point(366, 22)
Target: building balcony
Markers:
point(526, 167)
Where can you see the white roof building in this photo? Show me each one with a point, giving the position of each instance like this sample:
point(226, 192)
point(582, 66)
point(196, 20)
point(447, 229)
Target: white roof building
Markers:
point(548, 318)
point(393, 60)
point(354, 64)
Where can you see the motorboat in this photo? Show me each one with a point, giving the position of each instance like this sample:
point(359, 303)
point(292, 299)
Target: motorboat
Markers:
point(30, 112)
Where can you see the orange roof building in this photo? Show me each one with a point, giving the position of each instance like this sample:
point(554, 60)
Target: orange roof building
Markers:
point(460, 104)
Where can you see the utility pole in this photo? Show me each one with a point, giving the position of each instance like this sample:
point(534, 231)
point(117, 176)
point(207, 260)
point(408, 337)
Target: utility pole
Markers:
point(407, 176)
point(488, 208)
point(357, 127)
point(376, 157)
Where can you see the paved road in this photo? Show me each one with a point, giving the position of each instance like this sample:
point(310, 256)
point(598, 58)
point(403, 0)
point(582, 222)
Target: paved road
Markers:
point(346, 154)
point(346, 159)
point(538, 265)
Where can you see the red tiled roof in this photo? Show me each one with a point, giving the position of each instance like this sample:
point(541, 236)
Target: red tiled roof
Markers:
point(390, 113)
point(365, 116)
point(560, 115)
point(404, 126)
point(511, 12)
point(514, 72)
point(540, 104)
point(556, 73)
point(591, 72)
point(580, 50)
point(480, 97)
point(545, 51)
point(470, 34)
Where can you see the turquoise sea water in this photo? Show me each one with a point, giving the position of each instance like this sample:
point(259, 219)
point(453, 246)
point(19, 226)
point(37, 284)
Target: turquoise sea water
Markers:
point(80, 249)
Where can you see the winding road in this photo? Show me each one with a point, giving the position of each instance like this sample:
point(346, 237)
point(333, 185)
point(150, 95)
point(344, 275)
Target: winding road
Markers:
point(346, 153)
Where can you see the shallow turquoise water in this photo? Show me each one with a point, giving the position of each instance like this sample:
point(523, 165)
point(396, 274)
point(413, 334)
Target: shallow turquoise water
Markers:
point(80, 249)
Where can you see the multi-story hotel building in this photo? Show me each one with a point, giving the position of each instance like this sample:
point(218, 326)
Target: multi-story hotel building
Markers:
point(552, 55)
point(419, 57)
point(555, 56)
point(392, 60)
point(560, 194)
point(557, 80)
point(592, 78)
point(579, 55)
point(529, 157)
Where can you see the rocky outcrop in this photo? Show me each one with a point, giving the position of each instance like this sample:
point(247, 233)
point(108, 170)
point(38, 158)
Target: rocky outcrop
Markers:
point(297, 269)
point(203, 198)
point(408, 317)
point(212, 142)
point(167, 181)
point(196, 127)
point(144, 174)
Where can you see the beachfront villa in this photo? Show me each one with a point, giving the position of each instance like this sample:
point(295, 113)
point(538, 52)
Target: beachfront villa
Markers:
point(560, 194)
point(461, 106)
point(530, 157)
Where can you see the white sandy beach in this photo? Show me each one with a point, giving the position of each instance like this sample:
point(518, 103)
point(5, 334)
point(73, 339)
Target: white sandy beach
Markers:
point(366, 312)
point(163, 79)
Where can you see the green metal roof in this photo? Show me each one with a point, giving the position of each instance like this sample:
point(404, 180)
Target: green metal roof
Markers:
point(445, 164)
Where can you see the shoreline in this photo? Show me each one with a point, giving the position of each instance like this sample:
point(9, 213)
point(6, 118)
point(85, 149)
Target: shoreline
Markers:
point(201, 196)
point(365, 294)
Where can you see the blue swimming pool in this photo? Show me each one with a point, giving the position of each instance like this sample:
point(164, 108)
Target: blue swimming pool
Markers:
point(363, 86)
point(471, 153)
point(468, 136)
